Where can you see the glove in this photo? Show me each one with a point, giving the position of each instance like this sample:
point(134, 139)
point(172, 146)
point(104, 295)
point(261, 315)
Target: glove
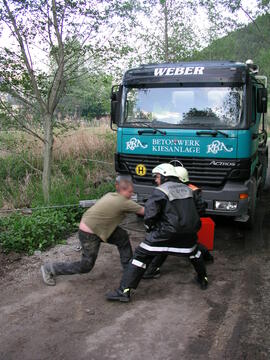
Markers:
point(147, 228)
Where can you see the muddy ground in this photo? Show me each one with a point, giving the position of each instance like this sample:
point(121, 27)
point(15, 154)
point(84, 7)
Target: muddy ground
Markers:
point(168, 319)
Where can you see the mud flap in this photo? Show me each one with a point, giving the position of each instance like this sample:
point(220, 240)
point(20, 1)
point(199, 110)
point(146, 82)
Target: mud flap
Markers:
point(248, 219)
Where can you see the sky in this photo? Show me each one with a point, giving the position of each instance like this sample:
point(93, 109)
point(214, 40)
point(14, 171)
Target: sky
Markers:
point(201, 25)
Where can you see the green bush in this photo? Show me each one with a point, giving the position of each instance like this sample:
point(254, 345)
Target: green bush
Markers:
point(74, 178)
point(42, 229)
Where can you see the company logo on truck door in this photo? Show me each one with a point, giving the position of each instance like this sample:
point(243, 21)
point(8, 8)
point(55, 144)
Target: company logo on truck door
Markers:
point(217, 146)
point(173, 71)
point(134, 143)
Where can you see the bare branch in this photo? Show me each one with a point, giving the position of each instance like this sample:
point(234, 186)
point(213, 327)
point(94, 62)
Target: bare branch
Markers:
point(18, 121)
point(57, 85)
point(25, 161)
point(255, 24)
point(63, 18)
point(26, 60)
point(56, 26)
point(28, 52)
point(16, 94)
point(30, 165)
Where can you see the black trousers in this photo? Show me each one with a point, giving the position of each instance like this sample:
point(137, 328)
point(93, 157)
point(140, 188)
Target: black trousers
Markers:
point(159, 260)
point(90, 244)
point(143, 258)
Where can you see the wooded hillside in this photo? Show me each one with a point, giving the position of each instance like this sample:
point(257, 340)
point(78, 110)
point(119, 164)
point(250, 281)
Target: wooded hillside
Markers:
point(250, 42)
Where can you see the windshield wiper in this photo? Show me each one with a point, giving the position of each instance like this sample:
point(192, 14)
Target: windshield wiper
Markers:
point(212, 132)
point(155, 130)
point(209, 130)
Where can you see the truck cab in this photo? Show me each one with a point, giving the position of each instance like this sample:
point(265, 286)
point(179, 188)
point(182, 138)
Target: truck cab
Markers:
point(205, 116)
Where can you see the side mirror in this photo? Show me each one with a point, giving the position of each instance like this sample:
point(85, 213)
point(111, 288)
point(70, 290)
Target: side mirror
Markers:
point(115, 103)
point(262, 100)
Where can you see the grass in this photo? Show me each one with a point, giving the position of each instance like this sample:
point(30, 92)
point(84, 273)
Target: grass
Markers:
point(75, 177)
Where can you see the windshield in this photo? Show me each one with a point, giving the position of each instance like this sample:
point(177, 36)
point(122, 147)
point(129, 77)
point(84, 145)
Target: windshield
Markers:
point(212, 107)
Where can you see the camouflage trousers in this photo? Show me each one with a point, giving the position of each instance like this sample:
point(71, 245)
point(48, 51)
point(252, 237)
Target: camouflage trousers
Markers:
point(90, 244)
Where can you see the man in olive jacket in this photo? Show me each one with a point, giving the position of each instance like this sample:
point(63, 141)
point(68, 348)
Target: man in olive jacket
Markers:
point(100, 224)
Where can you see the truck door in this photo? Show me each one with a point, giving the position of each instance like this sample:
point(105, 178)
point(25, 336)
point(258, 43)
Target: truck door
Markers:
point(254, 129)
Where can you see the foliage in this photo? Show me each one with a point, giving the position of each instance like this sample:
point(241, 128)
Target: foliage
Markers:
point(226, 16)
point(87, 97)
point(240, 45)
point(248, 42)
point(38, 231)
point(171, 35)
point(44, 228)
point(74, 175)
point(64, 35)
point(74, 178)
point(70, 79)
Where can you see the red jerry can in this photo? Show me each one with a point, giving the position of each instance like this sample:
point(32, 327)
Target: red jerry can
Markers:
point(206, 233)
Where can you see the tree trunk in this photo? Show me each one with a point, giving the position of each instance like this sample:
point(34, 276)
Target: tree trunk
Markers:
point(166, 40)
point(47, 157)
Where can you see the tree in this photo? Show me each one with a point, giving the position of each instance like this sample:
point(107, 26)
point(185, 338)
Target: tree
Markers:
point(228, 15)
point(240, 31)
point(49, 41)
point(88, 98)
point(169, 36)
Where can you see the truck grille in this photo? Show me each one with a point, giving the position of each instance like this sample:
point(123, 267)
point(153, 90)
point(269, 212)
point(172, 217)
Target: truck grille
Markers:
point(201, 172)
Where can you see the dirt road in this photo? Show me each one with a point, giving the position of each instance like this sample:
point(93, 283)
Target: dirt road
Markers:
point(169, 318)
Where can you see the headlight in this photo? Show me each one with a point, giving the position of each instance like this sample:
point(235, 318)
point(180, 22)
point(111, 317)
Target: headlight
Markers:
point(226, 205)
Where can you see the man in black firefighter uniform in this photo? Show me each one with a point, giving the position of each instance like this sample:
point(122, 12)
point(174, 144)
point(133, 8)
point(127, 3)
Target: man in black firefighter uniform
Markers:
point(173, 222)
point(153, 270)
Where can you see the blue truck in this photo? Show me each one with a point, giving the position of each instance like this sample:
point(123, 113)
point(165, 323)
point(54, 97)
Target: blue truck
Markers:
point(207, 116)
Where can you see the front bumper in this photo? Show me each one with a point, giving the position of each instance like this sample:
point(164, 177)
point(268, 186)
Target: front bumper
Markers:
point(230, 192)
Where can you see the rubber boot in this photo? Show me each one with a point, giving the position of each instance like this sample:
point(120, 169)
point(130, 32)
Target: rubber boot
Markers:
point(207, 256)
point(122, 295)
point(153, 270)
point(200, 269)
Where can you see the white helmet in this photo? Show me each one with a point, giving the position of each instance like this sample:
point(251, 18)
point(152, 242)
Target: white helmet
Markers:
point(165, 170)
point(182, 173)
